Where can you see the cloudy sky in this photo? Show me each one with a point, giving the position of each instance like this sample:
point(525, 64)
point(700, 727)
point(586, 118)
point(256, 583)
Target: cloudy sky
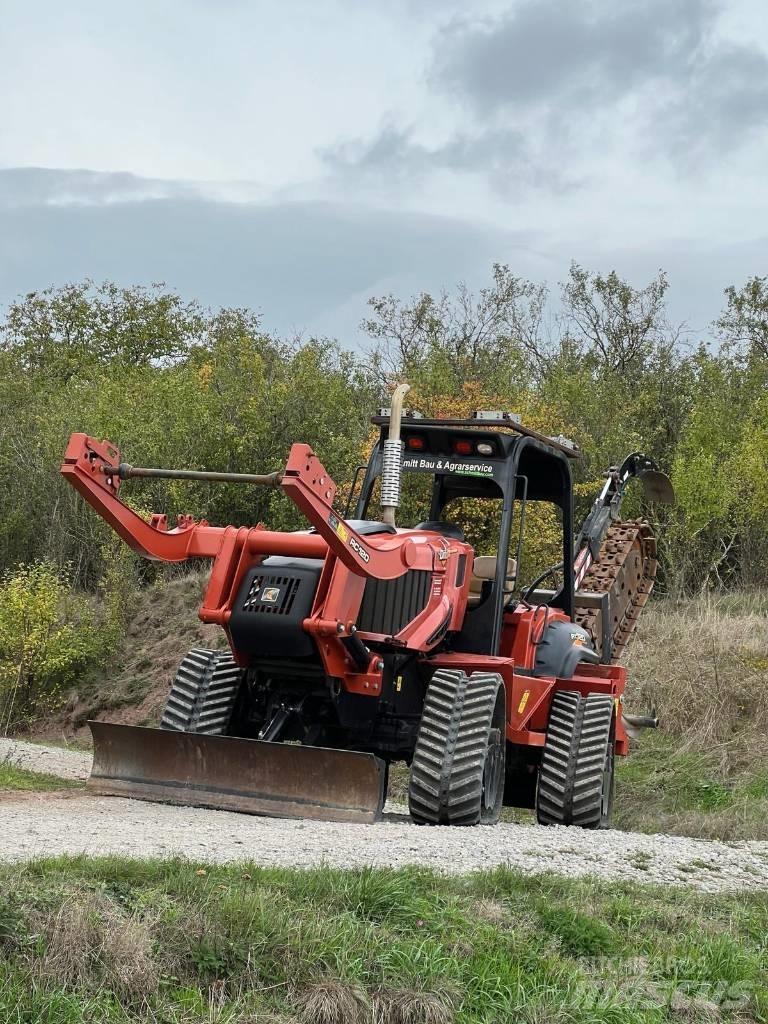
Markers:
point(299, 157)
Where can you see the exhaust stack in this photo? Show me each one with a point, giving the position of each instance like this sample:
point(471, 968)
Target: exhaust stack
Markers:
point(391, 470)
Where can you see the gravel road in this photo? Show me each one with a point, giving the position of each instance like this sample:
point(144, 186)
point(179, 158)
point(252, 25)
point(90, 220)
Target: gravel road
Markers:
point(99, 825)
point(67, 764)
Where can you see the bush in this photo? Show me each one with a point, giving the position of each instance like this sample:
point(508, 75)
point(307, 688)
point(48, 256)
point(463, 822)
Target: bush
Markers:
point(47, 637)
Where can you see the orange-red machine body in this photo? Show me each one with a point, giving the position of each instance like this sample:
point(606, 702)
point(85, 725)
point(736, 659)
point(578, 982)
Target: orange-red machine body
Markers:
point(355, 661)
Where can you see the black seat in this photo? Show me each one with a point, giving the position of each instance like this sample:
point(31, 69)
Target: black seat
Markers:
point(437, 526)
point(365, 527)
point(368, 526)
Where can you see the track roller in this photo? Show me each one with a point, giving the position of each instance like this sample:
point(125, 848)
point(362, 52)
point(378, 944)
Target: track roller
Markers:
point(576, 775)
point(457, 772)
point(203, 694)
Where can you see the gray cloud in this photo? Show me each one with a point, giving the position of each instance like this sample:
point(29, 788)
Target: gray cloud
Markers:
point(36, 186)
point(574, 62)
point(540, 84)
point(542, 50)
point(311, 266)
point(395, 157)
point(306, 265)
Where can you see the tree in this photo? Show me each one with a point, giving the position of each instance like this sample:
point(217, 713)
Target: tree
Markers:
point(63, 332)
point(618, 326)
point(745, 318)
point(493, 335)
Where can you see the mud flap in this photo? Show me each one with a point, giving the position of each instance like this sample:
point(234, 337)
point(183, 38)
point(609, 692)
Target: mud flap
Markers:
point(274, 779)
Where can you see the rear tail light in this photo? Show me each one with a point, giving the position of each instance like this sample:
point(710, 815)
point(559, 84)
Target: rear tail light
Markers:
point(416, 444)
point(462, 447)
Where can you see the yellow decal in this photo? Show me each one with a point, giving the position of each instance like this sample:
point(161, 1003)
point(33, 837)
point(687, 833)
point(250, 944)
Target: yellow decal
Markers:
point(399, 683)
point(523, 702)
point(343, 532)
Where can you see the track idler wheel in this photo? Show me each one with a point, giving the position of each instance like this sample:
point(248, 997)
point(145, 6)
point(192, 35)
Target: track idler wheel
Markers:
point(203, 693)
point(576, 775)
point(457, 772)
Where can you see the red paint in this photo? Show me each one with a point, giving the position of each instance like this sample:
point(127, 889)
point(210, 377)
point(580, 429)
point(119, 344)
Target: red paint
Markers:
point(349, 559)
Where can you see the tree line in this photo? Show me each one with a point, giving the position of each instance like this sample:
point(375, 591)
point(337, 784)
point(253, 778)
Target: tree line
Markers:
point(175, 384)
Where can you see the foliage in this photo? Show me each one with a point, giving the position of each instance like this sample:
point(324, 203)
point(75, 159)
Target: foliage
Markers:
point(46, 638)
point(175, 384)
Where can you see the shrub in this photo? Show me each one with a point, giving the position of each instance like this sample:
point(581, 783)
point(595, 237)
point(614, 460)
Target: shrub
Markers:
point(47, 637)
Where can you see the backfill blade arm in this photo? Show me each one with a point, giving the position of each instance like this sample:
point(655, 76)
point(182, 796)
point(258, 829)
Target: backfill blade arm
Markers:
point(93, 468)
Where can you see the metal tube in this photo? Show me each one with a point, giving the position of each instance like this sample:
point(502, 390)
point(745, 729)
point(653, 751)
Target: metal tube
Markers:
point(127, 472)
point(392, 460)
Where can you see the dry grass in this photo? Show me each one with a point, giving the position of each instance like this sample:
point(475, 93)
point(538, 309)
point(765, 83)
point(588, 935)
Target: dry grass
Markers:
point(704, 665)
point(163, 625)
point(89, 943)
point(333, 1002)
point(408, 1006)
point(705, 668)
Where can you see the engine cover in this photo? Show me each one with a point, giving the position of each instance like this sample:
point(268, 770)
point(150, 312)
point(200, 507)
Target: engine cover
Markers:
point(272, 603)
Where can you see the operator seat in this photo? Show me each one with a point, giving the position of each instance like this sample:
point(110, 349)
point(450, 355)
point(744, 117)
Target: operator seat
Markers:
point(483, 575)
point(450, 530)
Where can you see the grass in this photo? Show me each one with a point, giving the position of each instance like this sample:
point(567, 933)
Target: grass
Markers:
point(704, 665)
point(135, 941)
point(14, 778)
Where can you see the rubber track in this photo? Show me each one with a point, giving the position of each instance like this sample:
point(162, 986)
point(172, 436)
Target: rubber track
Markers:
point(626, 568)
point(203, 693)
point(571, 774)
point(447, 769)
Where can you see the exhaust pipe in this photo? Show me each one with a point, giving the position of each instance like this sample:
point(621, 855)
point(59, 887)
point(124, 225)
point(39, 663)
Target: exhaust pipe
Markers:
point(391, 469)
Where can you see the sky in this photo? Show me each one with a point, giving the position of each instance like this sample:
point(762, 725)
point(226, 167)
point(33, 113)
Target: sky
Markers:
point(300, 157)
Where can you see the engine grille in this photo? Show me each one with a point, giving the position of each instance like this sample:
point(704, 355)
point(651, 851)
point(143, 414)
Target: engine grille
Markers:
point(389, 605)
point(271, 595)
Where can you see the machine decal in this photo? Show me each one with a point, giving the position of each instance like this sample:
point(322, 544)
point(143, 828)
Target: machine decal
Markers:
point(269, 595)
point(435, 464)
point(523, 702)
point(358, 549)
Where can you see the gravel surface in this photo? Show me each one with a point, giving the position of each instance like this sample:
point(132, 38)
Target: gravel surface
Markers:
point(67, 764)
point(99, 825)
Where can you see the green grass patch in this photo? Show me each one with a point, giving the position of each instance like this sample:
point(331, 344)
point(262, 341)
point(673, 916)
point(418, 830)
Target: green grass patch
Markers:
point(138, 941)
point(664, 787)
point(15, 778)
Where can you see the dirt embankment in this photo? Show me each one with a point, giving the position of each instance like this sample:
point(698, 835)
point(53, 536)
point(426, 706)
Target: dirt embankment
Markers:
point(132, 689)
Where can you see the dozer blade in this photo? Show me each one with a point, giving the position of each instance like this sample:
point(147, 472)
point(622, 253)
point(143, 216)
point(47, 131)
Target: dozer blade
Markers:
point(275, 779)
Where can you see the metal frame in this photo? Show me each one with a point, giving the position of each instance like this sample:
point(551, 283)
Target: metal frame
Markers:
point(483, 625)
